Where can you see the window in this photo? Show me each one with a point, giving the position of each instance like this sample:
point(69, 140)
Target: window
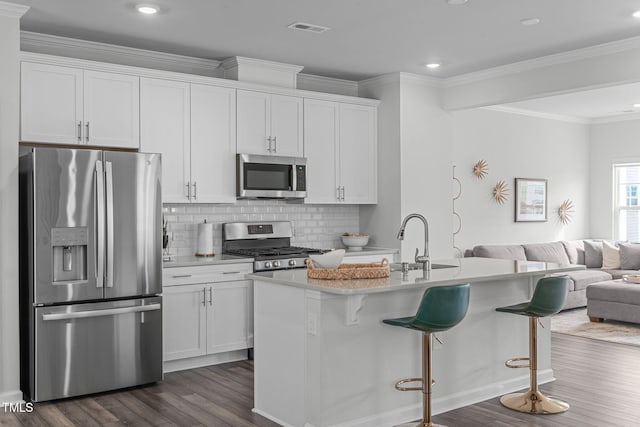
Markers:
point(625, 201)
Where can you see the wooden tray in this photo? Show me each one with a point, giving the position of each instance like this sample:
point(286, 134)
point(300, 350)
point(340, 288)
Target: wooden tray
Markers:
point(349, 271)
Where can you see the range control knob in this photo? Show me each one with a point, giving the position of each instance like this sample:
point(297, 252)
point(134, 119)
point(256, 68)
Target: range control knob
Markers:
point(292, 262)
point(267, 264)
point(276, 263)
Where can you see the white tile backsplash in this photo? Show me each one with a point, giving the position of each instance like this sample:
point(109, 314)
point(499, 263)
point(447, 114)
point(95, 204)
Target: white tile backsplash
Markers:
point(317, 226)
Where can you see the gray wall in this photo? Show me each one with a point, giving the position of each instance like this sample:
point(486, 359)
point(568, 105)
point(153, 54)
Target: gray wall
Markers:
point(611, 143)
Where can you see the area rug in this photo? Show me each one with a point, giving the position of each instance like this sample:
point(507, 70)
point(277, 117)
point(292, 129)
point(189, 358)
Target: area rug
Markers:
point(576, 322)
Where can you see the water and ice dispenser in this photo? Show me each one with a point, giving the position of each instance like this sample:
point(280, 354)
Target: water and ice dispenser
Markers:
point(69, 247)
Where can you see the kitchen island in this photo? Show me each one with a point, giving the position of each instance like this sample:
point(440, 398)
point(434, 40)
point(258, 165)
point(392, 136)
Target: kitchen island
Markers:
point(324, 358)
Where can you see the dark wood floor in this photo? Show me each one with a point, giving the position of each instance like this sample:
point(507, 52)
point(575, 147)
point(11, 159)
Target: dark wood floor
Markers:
point(600, 380)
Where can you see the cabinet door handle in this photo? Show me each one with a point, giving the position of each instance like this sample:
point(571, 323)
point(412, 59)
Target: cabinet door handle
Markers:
point(230, 272)
point(338, 193)
point(177, 276)
point(188, 185)
point(195, 190)
point(80, 131)
point(204, 296)
point(275, 144)
point(87, 135)
point(210, 296)
point(343, 193)
point(269, 144)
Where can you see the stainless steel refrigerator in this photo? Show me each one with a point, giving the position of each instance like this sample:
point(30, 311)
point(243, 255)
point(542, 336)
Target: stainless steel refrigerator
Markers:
point(90, 271)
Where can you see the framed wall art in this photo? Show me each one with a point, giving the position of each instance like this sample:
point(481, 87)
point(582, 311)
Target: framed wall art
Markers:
point(531, 200)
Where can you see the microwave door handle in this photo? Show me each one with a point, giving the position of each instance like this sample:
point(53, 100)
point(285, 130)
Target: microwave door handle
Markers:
point(99, 224)
point(109, 182)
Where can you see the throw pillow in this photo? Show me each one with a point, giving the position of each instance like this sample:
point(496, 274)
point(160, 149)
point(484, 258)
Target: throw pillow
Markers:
point(610, 256)
point(592, 254)
point(629, 256)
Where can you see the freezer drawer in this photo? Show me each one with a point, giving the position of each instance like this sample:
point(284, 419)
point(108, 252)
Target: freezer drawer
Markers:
point(89, 348)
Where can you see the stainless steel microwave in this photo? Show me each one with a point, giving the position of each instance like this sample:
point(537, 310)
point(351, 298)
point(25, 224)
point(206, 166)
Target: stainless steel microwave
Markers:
point(270, 177)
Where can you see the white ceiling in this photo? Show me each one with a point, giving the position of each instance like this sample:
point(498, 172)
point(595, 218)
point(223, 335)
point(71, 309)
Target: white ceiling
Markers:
point(367, 37)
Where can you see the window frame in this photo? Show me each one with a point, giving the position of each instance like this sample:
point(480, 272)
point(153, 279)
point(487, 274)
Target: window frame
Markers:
point(617, 207)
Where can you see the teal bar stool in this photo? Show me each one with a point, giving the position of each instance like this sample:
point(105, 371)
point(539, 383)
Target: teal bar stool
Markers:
point(441, 309)
point(548, 299)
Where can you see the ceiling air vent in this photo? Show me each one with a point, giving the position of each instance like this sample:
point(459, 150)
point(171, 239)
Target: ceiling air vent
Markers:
point(312, 28)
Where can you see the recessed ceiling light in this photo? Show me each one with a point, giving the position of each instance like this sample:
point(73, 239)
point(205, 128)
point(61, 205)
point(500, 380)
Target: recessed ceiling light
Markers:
point(456, 2)
point(433, 65)
point(147, 9)
point(530, 21)
point(636, 14)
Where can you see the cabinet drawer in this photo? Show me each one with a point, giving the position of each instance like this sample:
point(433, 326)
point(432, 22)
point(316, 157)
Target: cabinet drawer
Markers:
point(205, 274)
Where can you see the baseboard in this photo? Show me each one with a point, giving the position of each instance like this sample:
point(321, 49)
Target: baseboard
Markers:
point(14, 396)
point(445, 404)
point(198, 362)
point(274, 419)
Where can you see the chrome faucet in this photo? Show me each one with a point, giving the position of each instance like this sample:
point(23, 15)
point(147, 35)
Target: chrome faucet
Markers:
point(424, 258)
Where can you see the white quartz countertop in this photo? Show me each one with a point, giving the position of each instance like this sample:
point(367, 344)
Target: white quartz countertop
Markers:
point(465, 270)
point(189, 261)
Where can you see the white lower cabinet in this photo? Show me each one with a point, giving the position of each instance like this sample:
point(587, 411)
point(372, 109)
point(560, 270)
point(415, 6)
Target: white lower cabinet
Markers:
point(209, 321)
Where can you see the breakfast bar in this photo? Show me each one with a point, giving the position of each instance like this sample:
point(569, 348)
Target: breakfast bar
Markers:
point(323, 357)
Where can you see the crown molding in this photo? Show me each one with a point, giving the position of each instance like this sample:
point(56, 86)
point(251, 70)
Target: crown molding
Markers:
point(545, 61)
point(430, 81)
point(83, 49)
point(330, 84)
point(390, 78)
point(12, 10)
point(236, 61)
point(537, 114)
point(617, 118)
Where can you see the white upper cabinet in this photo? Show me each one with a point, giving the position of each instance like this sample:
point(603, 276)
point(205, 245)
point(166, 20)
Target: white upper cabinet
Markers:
point(340, 146)
point(111, 109)
point(321, 150)
point(66, 105)
point(213, 144)
point(358, 154)
point(165, 128)
point(193, 127)
point(269, 124)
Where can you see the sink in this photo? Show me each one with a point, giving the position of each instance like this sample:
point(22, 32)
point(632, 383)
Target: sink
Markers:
point(397, 266)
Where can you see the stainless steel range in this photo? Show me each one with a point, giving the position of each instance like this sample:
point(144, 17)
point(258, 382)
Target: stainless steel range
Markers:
point(268, 242)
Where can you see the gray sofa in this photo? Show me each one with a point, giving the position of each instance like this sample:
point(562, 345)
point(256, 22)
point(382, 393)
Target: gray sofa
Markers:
point(585, 252)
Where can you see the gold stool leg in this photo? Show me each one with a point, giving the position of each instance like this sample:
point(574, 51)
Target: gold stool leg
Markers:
point(426, 385)
point(532, 401)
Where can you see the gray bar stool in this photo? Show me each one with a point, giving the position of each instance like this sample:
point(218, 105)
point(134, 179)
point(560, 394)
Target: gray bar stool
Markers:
point(441, 308)
point(548, 299)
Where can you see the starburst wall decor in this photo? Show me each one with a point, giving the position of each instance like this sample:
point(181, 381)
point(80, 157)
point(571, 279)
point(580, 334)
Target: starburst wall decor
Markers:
point(500, 192)
point(481, 169)
point(565, 211)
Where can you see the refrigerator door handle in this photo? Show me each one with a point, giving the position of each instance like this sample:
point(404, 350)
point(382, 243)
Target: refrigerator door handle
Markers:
point(109, 259)
point(99, 194)
point(100, 313)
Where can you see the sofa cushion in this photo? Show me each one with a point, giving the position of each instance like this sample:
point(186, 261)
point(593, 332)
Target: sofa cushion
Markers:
point(546, 252)
point(629, 256)
point(618, 273)
point(575, 251)
point(614, 292)
point(515, 252)
point(592, 254)
point(610, 256)
point(582, 278)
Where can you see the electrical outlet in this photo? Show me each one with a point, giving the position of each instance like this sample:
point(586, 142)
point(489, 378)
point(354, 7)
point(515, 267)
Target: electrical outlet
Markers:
point(312, 324)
